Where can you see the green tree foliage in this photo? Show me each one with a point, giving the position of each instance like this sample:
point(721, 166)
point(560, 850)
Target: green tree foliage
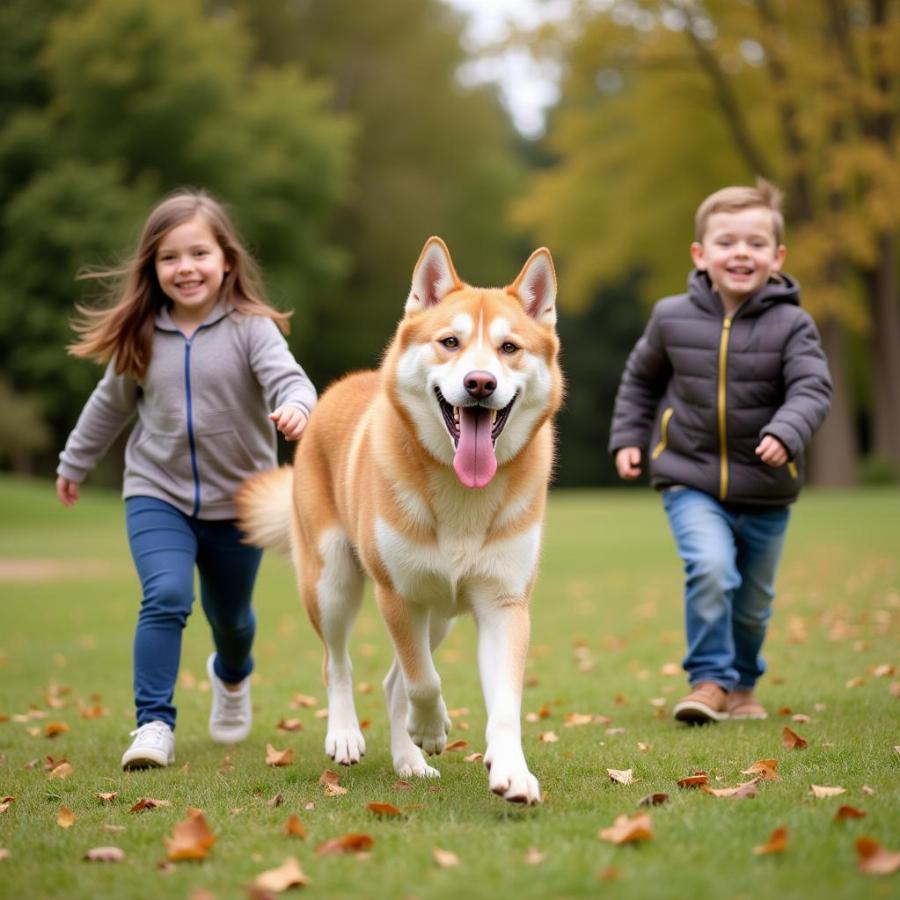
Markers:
point(130, 100)
point(668, 100)
point(432, 157)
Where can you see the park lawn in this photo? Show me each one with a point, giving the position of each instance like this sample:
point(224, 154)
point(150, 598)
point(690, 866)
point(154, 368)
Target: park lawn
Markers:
point(606, 642)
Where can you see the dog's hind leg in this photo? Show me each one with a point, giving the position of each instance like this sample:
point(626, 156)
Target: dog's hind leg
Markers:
point(338, 594)
point(407, 757)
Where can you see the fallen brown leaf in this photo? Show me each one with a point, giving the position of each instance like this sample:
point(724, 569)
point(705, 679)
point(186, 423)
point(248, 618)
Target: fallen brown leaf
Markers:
point(777, 843)
point(279, 757)
point(548, 737)
point(4, 854)
point(148, 803)
point(473, 757)
point(849, 812)
point(402, 786)
point(54, 729)
point(874, 859)
point(656, 799)
point(329, 777)
point(63, 770)
point(65, 818)
point(275, 801)
point(764, 769)
point(334, 790)
point(106, 796)
point(289, 725)
point(5, 803)
point(191, 838)
point(822, 792)
point(444, 858)
point(303, 701)
point(105, 854)
point(698, 779)
point(621, 776)
point(627, 830)
point(456, 745)
point(294, 827)
point(534, 857)
point(792, 740)
point(354, 842)
point(226, 766)
point(384, 809)
point(745, 790)
point(288, 874)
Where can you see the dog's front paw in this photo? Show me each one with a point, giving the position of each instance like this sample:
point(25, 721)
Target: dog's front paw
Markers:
point(509, 778)
point(428, 726)
point(346, 746)
point(411, 763)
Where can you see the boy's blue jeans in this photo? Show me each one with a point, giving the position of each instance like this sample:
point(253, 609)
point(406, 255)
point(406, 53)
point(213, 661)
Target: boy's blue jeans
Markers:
point(730, 561)
point(166, 545)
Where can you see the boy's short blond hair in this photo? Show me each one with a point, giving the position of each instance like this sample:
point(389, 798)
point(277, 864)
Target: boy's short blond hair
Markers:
point(732, 199)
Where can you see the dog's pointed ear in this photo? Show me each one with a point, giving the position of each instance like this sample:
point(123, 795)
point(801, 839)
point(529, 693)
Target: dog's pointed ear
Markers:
point(433, 277)
point(536, 287)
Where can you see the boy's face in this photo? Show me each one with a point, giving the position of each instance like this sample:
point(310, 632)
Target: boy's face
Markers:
point(739, 252)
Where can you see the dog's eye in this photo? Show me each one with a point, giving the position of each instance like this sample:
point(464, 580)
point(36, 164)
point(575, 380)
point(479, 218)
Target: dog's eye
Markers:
point(451, 343)
point(508, 347)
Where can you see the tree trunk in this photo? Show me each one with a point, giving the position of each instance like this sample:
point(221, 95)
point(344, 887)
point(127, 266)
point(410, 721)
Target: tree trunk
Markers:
point(884, 306)
point(833, 456)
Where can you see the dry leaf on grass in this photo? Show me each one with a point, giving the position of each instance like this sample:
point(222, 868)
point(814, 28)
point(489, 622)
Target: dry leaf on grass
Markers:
point(105, 854)
point(744, 790)
point(65, 818)
point(574, 719)
point(289, 725)
point(279, 757)
point(148, 803)
point(191, 838)
point(875, 859)
point(288, 874)
point(698, 779)
point(473, 757)
point(792, 740)
point(106, 796)
point(621, 776)
point(402, 786)
point(627, 830)
point(5, 803)
point(334, 790)
point(384, 809)
point(226, 766)
point(275, 801)
point(329, 777)
point(849, 812)
point(63, 770)
point(4, 854)
point(822, 791)
point(456, 745)
point(54, 729)
point(764, 769)
point(444, 858)
point(354, 842)
point(534, 857)
point(548, 737)
point(777, 843)
point(294, 827)
point(656, 799)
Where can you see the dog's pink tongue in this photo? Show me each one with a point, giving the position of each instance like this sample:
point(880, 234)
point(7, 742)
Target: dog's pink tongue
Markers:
point(475, 463)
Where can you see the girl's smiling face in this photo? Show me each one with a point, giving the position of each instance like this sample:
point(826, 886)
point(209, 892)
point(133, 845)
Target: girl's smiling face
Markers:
point(739, 251)
point(190, 267)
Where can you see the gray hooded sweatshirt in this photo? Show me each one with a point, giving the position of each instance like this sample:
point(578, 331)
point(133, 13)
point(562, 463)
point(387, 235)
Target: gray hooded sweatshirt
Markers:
point(202, 412)
point(700, 389)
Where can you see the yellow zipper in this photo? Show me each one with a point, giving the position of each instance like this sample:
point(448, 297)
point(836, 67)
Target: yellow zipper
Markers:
point(723, 436)
point(663, 432)
point(792, 469)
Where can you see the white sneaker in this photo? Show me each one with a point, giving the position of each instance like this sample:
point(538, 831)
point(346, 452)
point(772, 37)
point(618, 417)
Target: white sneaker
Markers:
point(231, 715)
point(153, 746)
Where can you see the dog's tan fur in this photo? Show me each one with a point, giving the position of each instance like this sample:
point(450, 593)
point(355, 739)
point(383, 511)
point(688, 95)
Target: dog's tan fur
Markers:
point(378, 487)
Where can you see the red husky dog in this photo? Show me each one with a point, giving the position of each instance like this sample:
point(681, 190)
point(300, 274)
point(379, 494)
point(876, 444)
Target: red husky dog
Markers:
point(429, 475)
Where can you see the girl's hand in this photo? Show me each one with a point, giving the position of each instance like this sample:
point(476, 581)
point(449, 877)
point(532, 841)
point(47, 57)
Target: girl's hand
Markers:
point(628, 462)
point(772, 452)
point(290, 421)
point(66, 490)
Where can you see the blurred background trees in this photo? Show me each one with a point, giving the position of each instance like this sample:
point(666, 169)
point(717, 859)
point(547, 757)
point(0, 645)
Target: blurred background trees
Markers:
point(342, 136)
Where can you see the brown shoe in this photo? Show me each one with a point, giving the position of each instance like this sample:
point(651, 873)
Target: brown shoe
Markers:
point(743, 705)
point(707, 702)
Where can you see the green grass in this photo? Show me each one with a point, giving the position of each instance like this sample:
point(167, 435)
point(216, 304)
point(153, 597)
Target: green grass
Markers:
point(606, 619)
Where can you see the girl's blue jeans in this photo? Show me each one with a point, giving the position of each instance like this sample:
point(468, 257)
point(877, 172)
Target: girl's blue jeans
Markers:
point(166, 545)
point(730, 560)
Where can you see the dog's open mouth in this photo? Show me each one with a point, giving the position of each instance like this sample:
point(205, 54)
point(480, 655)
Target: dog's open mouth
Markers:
point(474, 431)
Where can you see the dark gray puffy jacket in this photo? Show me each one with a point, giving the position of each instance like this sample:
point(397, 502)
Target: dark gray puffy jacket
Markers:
point(700, 390)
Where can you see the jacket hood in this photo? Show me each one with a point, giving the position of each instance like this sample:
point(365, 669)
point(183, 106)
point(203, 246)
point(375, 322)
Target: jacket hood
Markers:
point(780, 289)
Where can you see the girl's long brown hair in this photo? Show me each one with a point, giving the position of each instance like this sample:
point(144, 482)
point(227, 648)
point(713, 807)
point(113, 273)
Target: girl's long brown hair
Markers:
point(123, 331)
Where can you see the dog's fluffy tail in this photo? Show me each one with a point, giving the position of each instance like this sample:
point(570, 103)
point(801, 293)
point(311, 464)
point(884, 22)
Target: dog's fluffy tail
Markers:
point(265, 506)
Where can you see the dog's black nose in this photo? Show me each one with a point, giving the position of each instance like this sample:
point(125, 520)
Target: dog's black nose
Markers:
point(480, 384)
